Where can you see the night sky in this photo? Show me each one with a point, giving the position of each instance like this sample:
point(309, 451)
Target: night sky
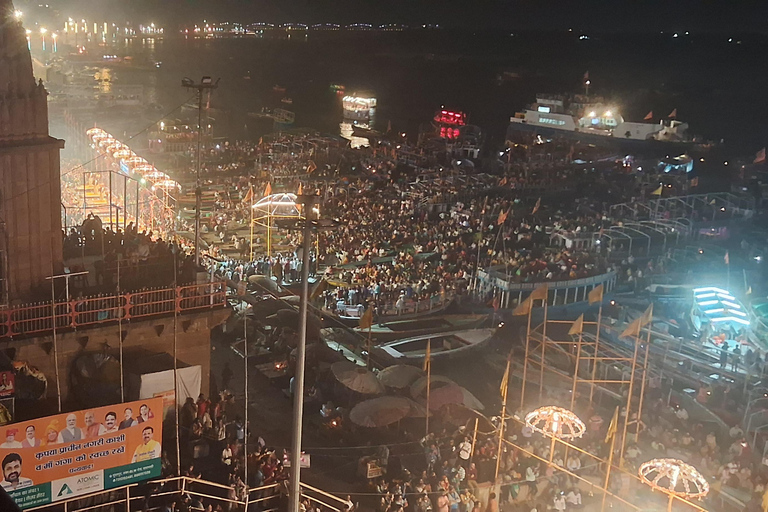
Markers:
point(582, 15)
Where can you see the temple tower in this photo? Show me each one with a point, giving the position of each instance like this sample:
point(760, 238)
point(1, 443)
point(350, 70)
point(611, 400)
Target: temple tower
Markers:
point(30, 187)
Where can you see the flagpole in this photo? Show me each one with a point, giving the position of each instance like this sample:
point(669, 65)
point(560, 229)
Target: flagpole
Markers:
point(597, 346)
point(505, 386)
point(578, 362)
point(543, 347)
point(525, 361)
point(477, 261)
point(608, 469)
point(629, 399)
point(250, 192)
point(368, 363)
point(429, 378)
point(642, 382)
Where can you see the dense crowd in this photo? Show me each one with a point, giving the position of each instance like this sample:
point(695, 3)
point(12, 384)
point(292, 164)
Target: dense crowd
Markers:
point(131, 259)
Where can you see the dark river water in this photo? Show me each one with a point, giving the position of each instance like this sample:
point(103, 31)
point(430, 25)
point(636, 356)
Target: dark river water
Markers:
point(715, 85)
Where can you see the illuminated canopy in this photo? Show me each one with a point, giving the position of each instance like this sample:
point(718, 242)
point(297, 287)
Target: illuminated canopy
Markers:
point(718, 305)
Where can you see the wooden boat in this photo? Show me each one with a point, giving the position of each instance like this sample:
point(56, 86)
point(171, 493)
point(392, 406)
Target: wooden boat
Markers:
point(442, 346)
point(350, 315)
point(398, 329)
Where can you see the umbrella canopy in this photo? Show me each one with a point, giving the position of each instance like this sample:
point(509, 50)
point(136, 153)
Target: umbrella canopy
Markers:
point(399, 376)
point(419, 388)
point(459, 414)
point(452, 394)
point(357, 378)
point(383, 411)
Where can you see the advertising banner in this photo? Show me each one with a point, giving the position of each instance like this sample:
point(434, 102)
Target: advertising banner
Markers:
point(59, 457)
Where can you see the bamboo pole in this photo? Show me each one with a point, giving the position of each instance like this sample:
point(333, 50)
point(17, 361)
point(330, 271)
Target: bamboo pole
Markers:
point(608, 472)
point(543, 347)
point(597, 348)
point(525, 360)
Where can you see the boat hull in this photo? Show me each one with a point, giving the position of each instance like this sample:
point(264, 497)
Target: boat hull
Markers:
point(386, 332)
point(354, 321)
point(623, 144)
point(413, 350)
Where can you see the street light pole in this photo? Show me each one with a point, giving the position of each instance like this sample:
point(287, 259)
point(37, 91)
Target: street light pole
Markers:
point(298, 389)
point(206, 83)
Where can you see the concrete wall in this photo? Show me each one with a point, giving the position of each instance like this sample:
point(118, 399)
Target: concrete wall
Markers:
point(193, 336)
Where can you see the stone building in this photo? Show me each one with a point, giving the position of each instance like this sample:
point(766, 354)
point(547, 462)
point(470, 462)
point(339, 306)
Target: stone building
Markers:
point(30, 190)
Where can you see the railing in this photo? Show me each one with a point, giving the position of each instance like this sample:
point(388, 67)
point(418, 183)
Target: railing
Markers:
point(83, 312)
point(503, 281)
point(435, 302)
point(267, 497)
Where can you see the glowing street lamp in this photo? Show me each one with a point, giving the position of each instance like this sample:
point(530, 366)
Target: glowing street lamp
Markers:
point(43, 31)
point(674, 477)
point(29, 43)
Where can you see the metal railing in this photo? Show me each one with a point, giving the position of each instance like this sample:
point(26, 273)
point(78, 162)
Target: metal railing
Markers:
point(28, 319)
point(266, 497)
point(506, 282)
point(435, 302)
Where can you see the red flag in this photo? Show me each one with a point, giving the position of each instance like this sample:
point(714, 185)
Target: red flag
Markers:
point(760, 157)
point(673, 114)
point(648, 116)
point(536, 206)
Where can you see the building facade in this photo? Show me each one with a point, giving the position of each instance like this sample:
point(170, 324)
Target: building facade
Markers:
point(30, 189)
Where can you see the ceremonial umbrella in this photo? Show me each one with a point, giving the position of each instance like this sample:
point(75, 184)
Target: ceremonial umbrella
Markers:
point(399, 376)
point(357, 378)
point(383, 411)
point(419, 388)
point(453, 394)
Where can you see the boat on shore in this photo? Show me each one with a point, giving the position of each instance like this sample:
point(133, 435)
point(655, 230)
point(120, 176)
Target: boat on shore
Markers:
point(445, 345)
point(350, 315)
point(390, 331)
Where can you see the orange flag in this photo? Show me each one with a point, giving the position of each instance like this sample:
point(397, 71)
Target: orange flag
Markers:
point(648, 116)
point(536, 206)
point(673, 114)
point(268, 189)
point(301, 189)
point(760, 157)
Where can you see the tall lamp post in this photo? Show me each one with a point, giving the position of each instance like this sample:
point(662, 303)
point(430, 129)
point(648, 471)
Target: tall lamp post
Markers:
point(307, 225)
point(674, 477)
point(206, 84)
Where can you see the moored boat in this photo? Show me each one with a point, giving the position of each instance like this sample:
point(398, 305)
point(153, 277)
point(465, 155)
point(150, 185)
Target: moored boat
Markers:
point(350, 315)
point(442, 345)
point(389, 331)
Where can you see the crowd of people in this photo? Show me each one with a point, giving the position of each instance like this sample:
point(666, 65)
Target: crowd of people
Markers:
point(130, 259)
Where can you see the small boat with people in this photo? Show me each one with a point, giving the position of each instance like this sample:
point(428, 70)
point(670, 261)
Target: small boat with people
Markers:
point(444, 345)
point(389, 331)
point(349, 315)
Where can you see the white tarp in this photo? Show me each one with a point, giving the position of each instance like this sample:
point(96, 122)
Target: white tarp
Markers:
point(189, 383)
